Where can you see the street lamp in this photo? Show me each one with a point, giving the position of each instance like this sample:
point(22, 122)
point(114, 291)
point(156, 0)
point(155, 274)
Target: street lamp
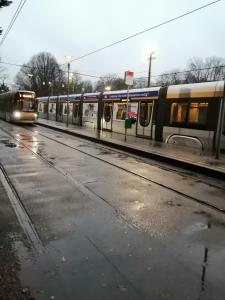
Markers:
point(108, 88)
point(30, 75)
point(68, 60)
point(50, 88)
point(150, 67)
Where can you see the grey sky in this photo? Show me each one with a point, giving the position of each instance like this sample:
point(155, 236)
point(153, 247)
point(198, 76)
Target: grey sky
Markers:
point(77, 27)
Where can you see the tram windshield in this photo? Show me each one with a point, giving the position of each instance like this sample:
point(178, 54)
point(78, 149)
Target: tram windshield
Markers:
point(25, 102)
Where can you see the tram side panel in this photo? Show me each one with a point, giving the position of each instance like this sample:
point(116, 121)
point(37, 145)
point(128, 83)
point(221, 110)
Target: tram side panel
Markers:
point(42, 109)
point(188, 122)
point(52, 111)
point(119, 115)
point(63, 112)
point(90, 112)
point(107, 117)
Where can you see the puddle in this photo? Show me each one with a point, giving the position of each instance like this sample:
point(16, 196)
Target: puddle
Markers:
point(211, 220)
point(105, 152)
point(4, 141)
point(122, 156)
point(10, 145)
point(172, 203)
point(7, 143)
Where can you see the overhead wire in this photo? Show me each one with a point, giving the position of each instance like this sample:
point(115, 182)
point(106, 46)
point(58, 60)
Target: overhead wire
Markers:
point(19, 8)
point(15, 16)
point(29, 67)
point(96, 76)
point(182, 72)
point(145, 30)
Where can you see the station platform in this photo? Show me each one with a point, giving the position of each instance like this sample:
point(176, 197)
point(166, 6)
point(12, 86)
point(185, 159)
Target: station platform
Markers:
point(187, 158)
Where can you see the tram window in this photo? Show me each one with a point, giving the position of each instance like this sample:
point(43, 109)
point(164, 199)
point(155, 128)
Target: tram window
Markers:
point(60, 109)
point(107, 112)
point(90, 110)
point(25, 105)
point(178, 113)
point(121, 112)
point(75, 110)
point(51, 108)
point(198, 113)
point(45, 108)
point(40, 107)
point(65, 110)
point(145, 113)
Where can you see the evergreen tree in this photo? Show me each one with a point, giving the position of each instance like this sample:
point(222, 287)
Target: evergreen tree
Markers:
point(2, 4)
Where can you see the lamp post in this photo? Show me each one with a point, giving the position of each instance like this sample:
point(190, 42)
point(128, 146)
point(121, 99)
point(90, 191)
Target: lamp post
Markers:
point(49, 94)
point(30, 76)
point(68, 59)
point(80, 114)
point(50, 88)
point(129, 80)
point(150, 67)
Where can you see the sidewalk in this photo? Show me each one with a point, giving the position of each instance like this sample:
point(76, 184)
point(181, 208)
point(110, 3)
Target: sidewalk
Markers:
point(187, 158)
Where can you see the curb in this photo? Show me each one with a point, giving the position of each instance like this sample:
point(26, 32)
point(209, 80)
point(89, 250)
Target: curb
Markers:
point(191, 166)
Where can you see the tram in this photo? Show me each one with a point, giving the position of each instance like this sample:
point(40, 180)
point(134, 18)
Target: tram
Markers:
point(186, 115)
point(18, 106)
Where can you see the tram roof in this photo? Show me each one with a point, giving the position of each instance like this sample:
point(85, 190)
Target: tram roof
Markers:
point(196, 90)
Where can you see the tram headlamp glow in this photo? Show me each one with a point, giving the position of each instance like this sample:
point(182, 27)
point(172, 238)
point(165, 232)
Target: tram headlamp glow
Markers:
point(17, 114)
point(35, 116)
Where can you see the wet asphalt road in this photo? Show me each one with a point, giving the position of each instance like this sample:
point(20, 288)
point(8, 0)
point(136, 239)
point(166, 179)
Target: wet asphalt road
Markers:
point(109, 225)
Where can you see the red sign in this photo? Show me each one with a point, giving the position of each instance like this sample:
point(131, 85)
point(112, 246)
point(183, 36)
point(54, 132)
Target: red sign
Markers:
point(129, 77)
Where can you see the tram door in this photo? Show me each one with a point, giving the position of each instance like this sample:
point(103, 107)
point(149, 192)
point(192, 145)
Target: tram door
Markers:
point(144, 122)
point(107, 116)
point(76, 117)
point(59, 112)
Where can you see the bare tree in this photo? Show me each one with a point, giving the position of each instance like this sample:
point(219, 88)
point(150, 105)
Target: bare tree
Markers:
point(170, 78)
point(112, 80)
point(3, 77)
point(140, 82)
point(198, 70)
point(4, 3)
point(42, 74)
point(86, 86)
point(210, 69)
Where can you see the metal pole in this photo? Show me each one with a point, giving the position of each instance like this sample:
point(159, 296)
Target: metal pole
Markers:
point(68, 91)
point(220, 123)
point(49, 94)
point(128, 91)
point(149, 70)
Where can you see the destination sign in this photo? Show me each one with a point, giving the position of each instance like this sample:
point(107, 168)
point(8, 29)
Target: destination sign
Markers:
point(133, 95)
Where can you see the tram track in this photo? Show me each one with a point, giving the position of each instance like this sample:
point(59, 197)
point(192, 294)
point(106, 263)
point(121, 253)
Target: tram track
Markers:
point(145, 160)
point(90, 193)
point(163, 166)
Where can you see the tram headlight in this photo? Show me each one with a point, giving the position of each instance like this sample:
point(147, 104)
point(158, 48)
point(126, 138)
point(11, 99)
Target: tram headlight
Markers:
point(17, 114)
point(35, 116)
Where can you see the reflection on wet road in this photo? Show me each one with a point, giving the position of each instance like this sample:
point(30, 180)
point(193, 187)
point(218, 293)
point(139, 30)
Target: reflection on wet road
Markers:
point(106, 232)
